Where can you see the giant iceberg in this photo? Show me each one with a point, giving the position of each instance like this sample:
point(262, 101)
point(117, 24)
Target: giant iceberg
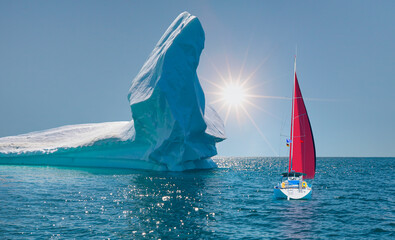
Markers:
point(172, 128)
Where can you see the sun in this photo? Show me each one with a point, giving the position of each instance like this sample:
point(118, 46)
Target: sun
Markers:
point(234, 94)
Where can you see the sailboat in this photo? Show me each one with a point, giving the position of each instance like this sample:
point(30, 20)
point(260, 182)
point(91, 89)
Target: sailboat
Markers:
point(302, 155)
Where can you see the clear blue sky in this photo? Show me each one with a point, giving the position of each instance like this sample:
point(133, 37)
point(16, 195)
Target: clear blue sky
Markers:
point(70, 62)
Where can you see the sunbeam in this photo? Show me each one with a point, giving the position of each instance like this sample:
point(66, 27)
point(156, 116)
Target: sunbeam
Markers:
point(259, 130)
point(227, 113)
point(263, 110)
point(234, 92)
point(272, 97)
point(251, 76)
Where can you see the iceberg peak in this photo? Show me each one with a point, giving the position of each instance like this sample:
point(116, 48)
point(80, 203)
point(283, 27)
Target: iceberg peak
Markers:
point(172, 128)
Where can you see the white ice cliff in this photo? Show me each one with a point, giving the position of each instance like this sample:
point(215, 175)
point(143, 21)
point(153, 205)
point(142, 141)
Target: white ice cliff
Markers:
point(172, 128)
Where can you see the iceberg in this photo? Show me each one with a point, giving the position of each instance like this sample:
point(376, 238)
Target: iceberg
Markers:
point(172, 127)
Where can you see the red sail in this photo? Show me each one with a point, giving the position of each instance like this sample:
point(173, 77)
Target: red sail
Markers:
point(302, 150)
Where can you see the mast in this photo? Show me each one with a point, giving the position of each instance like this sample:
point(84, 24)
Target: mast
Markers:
point(292, 118)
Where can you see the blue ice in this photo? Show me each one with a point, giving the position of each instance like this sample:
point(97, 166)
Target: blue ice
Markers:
point(172, 127)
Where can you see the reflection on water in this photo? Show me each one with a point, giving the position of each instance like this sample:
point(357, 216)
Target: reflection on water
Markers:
point(234, 201)
point(168, 205)
point(296, 221)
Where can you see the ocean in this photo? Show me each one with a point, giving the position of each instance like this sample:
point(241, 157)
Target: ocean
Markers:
point(353, 198)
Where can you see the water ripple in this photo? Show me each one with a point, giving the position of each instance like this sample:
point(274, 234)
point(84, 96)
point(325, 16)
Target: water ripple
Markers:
point(352, 199)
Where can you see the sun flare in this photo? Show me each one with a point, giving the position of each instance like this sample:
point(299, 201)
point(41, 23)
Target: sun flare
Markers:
point(234, 94)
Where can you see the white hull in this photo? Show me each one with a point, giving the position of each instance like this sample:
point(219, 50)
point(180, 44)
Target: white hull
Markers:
point(292, 193)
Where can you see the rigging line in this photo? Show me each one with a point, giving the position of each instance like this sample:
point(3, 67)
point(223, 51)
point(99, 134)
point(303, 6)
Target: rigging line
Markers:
point(301, 115)
point(300, 136)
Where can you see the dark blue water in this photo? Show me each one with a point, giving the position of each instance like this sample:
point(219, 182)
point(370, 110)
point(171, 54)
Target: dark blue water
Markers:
point(353, 198)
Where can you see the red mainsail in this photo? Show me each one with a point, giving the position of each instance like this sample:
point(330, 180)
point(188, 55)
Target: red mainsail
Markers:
point(302, 150)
